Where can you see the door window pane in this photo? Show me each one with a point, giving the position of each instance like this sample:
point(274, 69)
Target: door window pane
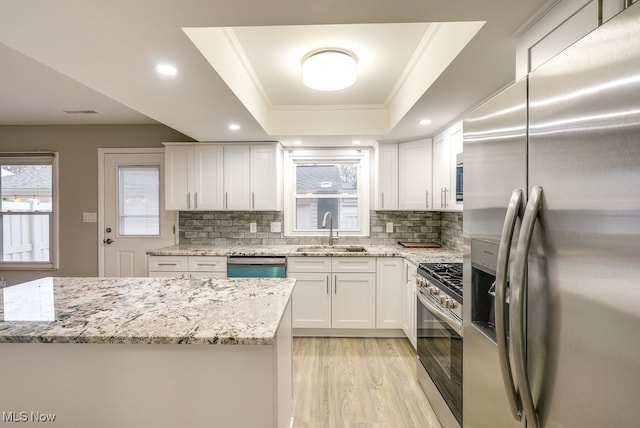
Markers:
point(139, 200)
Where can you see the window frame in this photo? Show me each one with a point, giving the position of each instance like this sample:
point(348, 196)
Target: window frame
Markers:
point(38, 158)
point(292, 157)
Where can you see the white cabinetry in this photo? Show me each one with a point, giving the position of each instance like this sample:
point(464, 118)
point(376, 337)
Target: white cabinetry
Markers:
point(404, 179)
point(193, 176)
point(333, 292)
point(214, 176)
point(237, 176)
point(386, 196)
point(409, 303)
point(311, 299)
point(414, 175)
point(389, 292)
point(188, 266)
point(447, 146)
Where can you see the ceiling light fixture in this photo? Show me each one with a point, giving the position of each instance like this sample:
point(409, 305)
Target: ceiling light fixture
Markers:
point(166, 69)
point(297, 142)
point(329, 70)
point(424, 122)
point(234, 127)
point(356, 142)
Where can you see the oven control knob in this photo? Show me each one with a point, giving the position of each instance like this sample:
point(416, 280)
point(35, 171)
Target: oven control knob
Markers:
point(443, 299)
point(449, 303)
point(433, 290)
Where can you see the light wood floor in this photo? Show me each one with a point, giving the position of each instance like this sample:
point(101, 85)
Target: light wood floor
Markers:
point(359, 383)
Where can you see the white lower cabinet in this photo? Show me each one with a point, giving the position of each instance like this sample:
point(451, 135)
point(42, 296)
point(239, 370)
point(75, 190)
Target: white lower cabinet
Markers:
point(187, 266)
point(353, 302)
point(333, 292)
point(389, 290)
point(409, 303)
point(312, 300)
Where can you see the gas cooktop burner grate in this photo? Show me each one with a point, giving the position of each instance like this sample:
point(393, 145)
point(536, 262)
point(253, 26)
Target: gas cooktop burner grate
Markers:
point(448, 275)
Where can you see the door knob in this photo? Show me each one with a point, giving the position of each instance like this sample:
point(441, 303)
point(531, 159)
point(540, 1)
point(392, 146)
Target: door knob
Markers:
point(108, 241)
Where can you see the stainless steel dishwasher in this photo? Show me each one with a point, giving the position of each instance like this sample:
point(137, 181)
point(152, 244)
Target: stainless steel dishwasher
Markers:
point(256, 267)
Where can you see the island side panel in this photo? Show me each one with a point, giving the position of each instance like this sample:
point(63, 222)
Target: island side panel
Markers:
point(284, 370)
point(136, 385)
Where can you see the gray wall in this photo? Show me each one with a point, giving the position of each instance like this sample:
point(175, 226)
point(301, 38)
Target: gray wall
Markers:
point(78, 182)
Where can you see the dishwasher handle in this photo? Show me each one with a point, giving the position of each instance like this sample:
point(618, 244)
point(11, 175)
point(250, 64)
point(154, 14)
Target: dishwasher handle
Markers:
point(261, 261)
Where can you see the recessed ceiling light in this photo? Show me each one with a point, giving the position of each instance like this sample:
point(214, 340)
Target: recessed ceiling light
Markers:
point(166, 69)
point(329, 70)
point(234, 127)
point(297, 142)
point(356, 142)
point(424, 122)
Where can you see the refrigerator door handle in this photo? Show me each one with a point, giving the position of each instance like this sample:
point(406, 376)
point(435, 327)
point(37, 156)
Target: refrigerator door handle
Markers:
point(518, 303)
point(502, 269)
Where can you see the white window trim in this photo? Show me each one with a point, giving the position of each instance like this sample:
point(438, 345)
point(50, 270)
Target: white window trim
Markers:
point(54, 232)
point(291, 156)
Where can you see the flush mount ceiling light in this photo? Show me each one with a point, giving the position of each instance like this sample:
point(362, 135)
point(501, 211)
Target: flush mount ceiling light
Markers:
point(329, 70)
point(424, 122)
point(234, 127)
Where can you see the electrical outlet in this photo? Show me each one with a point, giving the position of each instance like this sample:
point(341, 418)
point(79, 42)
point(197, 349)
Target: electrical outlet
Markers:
point(253, 227)
point(389, 227)
point(276, 226)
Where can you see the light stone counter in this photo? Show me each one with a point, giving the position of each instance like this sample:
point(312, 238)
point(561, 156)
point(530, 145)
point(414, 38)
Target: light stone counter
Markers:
point(144, 310)
point(414, 255)
point(103, 353)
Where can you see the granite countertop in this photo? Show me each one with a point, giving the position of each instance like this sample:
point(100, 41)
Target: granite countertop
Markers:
point(242, 311)
point(414, 255)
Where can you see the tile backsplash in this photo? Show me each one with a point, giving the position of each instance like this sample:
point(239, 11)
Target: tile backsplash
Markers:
point(232, 228)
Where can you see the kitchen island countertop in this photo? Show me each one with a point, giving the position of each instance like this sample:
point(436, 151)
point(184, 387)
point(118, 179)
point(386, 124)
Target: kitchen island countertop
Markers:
point(223, 311)
point(414, 255)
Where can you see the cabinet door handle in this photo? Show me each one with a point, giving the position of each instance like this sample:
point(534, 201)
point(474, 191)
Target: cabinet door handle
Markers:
point(196, 200)
point(327, 284)
point(426, 199)
point(253, 200)
point(382, 197)
point(189, 200)
point(226, 199)
point(335, 284)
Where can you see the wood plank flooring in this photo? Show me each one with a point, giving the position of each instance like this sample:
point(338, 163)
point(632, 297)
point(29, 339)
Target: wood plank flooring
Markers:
point(358, 383)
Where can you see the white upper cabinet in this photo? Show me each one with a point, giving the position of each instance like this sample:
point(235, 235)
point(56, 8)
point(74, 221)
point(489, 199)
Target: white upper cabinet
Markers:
point(446, 148)
point(237, 176)
point(214, 176)
point(403, 176)
point(266, 177)
point(414, 175)
point(193, 179)
point(386, 196)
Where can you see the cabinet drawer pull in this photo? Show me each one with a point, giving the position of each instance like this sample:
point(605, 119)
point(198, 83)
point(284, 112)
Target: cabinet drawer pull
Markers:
point(166, 264)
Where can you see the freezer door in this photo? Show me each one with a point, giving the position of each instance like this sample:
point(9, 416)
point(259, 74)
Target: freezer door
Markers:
point(495, 164)
point(584, 264)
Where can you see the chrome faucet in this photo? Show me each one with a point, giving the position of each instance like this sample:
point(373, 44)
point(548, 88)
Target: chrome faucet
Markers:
point(324, 225)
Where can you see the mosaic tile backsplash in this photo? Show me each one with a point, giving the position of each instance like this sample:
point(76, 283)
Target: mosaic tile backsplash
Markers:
point(232, 228)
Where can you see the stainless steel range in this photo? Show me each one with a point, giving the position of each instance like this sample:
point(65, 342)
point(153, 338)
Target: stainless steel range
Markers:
point(439, 330)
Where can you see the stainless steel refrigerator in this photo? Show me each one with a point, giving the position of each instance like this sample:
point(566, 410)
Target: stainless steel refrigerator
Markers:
point(552, 241)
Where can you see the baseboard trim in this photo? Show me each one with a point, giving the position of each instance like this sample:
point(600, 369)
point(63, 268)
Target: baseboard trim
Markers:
point(347, 332)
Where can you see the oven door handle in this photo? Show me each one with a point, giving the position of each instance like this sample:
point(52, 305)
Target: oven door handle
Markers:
point(447, 318)
point(531, 213)
point(501, 316)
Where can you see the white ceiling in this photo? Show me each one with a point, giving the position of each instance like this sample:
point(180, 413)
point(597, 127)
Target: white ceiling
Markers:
point(92, 55)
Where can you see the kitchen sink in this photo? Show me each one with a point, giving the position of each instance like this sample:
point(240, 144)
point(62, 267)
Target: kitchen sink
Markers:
point(332, 249)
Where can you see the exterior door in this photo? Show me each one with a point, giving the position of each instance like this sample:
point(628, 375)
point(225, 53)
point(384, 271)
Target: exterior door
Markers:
point(134, 219)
